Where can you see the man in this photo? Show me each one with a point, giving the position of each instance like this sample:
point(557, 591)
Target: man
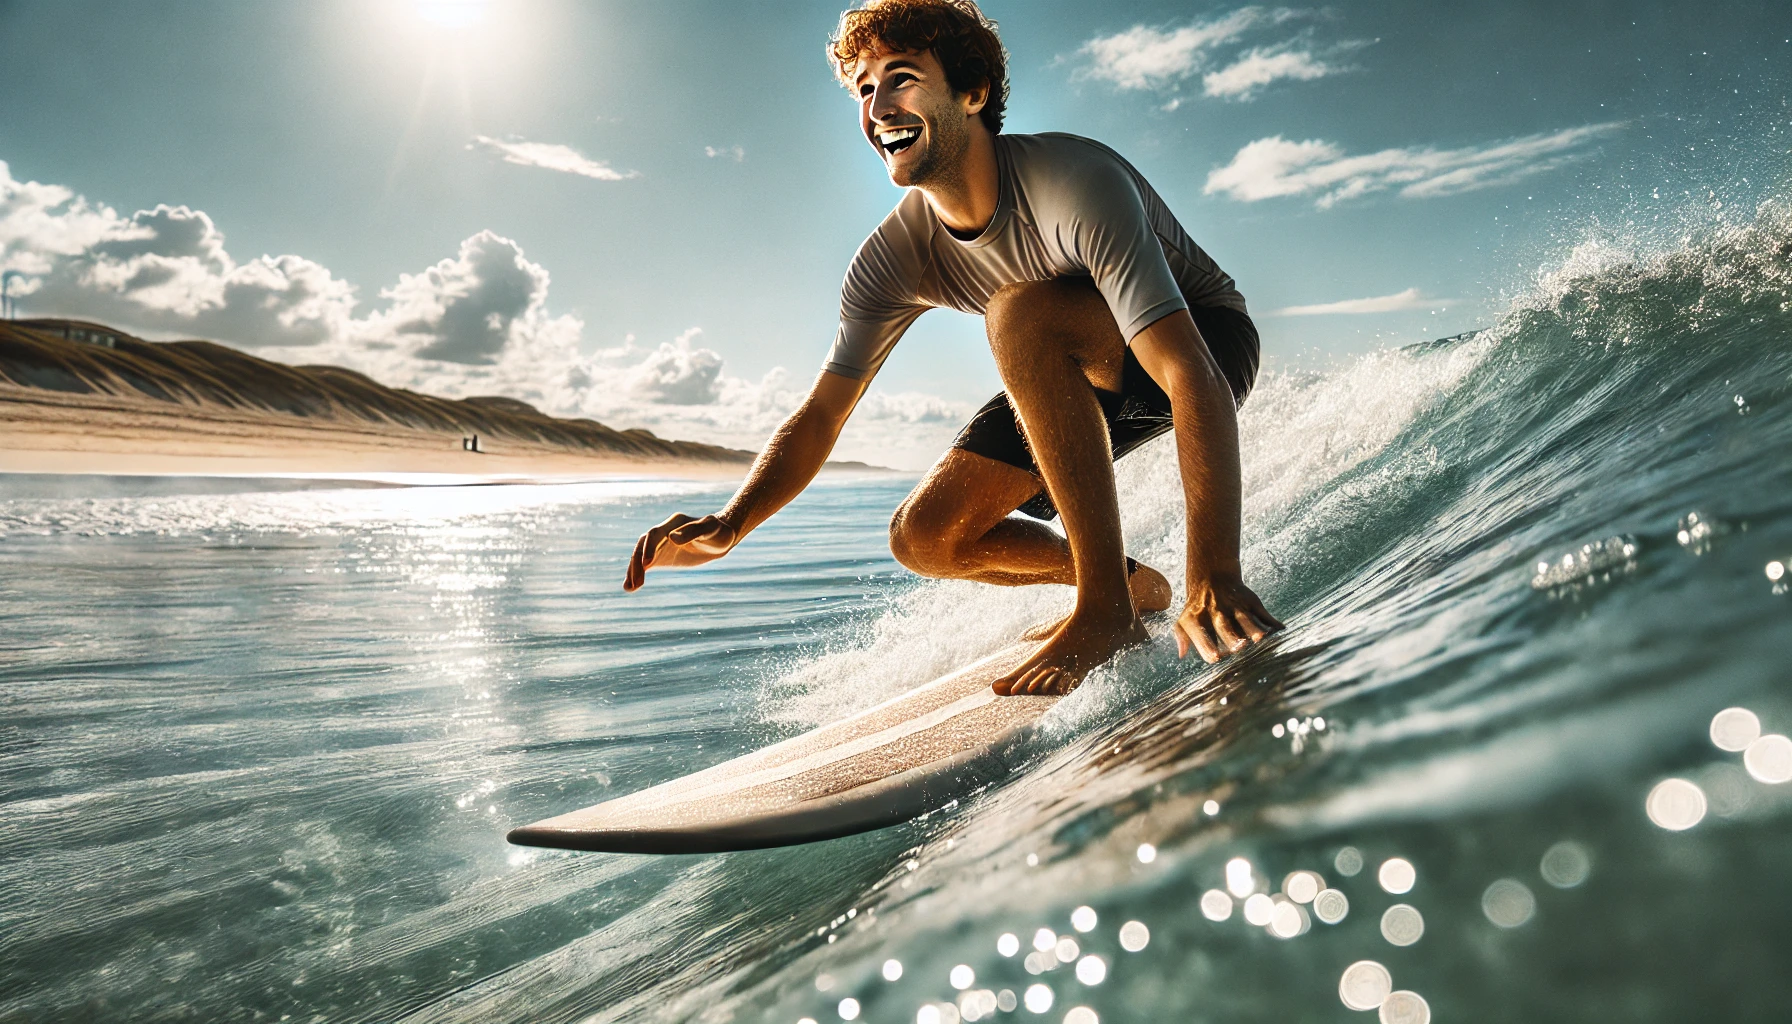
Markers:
point(1109, 327)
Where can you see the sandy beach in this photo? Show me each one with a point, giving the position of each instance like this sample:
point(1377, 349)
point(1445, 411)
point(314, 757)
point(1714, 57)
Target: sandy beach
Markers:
point(58, 432)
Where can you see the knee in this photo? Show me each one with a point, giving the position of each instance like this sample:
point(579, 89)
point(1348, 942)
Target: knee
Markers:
point(922, 547)
point(1032, 317)
point(1016, 310)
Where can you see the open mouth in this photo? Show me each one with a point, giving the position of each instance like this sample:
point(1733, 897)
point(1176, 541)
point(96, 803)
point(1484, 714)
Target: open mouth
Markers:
point(895, 140)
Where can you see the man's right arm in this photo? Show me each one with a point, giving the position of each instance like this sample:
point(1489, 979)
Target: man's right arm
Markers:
point(790, 460)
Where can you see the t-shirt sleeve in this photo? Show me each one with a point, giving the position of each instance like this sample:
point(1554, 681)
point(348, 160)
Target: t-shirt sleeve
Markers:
point(877, 305)
point(1093, 213)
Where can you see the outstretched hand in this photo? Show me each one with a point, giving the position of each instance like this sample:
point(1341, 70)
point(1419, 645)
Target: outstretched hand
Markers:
point(1222, 617)
point(679, 541)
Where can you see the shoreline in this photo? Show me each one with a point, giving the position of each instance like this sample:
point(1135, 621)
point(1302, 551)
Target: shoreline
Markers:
point(53, 432)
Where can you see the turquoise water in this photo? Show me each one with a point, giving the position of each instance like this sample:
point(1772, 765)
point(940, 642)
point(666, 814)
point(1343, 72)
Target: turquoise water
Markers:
point(262, 740)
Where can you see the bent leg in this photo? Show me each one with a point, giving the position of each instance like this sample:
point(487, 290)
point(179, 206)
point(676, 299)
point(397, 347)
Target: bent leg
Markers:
point(1055, 342)
point(955, 525)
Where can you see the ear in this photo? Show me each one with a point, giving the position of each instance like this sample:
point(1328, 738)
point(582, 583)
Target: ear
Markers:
point(976, 99)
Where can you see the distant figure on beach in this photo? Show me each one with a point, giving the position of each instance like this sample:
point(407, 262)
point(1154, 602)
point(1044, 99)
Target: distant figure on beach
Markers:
point(1109, 326)
point(470, 444)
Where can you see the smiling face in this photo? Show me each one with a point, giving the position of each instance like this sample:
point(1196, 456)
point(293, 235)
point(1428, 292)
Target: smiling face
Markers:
point(911, 116)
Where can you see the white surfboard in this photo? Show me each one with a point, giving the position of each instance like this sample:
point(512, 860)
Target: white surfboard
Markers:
point(882, 766)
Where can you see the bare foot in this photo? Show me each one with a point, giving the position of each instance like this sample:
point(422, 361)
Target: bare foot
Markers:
point(1150, 593)
point(1084, 641)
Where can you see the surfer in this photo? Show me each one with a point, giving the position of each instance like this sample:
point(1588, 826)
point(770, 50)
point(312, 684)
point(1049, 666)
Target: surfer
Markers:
point(1109, 327)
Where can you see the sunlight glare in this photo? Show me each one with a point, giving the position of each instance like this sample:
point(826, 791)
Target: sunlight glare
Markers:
point(453, 14)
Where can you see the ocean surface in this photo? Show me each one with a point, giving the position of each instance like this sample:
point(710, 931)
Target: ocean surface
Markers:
point(1520, 755)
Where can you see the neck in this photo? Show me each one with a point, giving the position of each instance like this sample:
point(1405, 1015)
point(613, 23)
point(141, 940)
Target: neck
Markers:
point(966, 201)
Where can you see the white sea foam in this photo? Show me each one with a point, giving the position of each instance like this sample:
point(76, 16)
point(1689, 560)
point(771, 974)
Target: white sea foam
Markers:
point(1299, 434)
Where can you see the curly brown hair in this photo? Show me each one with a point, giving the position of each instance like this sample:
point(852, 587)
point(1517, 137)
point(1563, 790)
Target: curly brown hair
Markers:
point(962, 39)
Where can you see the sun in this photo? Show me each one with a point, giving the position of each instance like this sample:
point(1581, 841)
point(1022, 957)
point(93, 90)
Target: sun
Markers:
point(453, 14)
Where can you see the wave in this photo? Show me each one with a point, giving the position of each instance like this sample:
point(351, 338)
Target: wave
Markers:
point(1618, 362)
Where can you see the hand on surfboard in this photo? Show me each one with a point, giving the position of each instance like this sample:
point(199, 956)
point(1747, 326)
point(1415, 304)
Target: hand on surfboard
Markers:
point(1222, 617)
point(679, 541)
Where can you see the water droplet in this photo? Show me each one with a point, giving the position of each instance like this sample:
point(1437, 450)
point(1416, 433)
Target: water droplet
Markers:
point(1147, 853)
point(1405, 1007)
point(1091, 970)
point(1349, 861)
point(1259, 909)
point(1134, 936)
point(1216, 905)
point(962, 977)
point(1240, 878)
point(1038, 998)
point(1565, 865)
point(1083, 919)
point(892, 970)
point(1302, 886)
point(1675, 804)
point(849, 1009)
point(1331, 906)
point(1008, 944)
point(1733, 729)
point(1365, 985)
point(1769, 759)
point(1402, 924)
point(1397, 875)
point(1508, 903)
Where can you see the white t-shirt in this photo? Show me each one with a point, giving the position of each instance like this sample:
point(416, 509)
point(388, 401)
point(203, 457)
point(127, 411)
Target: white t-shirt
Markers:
point(1068, 207)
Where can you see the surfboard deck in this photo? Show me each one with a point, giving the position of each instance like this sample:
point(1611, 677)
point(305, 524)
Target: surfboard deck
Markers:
point(883, 766)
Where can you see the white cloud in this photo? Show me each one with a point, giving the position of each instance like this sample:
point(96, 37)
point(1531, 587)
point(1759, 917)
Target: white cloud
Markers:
point(736, 153)
point(1273, 167)
point(465, 309)
point(1143, 57)
point(1397, 302)
point(475, 323)
point(1258, 68)
point(550, 156)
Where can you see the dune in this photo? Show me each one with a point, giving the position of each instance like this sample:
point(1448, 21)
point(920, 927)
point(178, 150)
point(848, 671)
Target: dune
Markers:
point(83, 397)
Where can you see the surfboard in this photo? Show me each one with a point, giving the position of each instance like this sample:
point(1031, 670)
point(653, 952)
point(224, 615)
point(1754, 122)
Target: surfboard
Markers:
point(909, 755)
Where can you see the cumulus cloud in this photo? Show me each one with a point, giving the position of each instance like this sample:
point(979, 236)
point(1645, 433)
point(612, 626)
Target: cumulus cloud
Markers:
point(550, 156)
point(475, 323)
point(1259, 67)
point(1143, 57)
point(677, 374)
point(1397, 302)
point(165, 269)
point(736, 153)
point(464, 309)
point(1161, 59)
point(1274, 167)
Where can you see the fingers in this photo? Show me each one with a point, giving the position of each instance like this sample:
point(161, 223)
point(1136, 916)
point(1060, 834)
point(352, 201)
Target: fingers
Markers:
point(637, 566)
point(1251, 626)
point(1227, 630)
point(1261, 615)
point(1192, 631)
point(1043, 680)
point(696, 529)
point(647, 548)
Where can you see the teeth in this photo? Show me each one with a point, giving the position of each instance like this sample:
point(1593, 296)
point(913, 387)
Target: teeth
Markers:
point(897, 135)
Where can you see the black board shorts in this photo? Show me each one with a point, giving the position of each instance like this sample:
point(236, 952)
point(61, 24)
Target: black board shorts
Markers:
point(1139, 412)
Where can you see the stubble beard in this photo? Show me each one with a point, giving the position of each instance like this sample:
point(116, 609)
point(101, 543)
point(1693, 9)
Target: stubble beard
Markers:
point(948, 139)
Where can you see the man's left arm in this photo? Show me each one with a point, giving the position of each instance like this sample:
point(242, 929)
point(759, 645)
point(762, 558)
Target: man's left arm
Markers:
point(1221, 615)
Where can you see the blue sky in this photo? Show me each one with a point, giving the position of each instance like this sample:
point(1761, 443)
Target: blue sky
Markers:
point(642, 211)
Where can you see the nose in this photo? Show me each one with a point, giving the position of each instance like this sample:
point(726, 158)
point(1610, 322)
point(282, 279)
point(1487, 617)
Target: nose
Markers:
point(882, 106)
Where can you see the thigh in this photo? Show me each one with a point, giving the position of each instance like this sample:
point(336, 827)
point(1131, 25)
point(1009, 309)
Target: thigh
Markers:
point(965, 494)
point(1065, 314)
